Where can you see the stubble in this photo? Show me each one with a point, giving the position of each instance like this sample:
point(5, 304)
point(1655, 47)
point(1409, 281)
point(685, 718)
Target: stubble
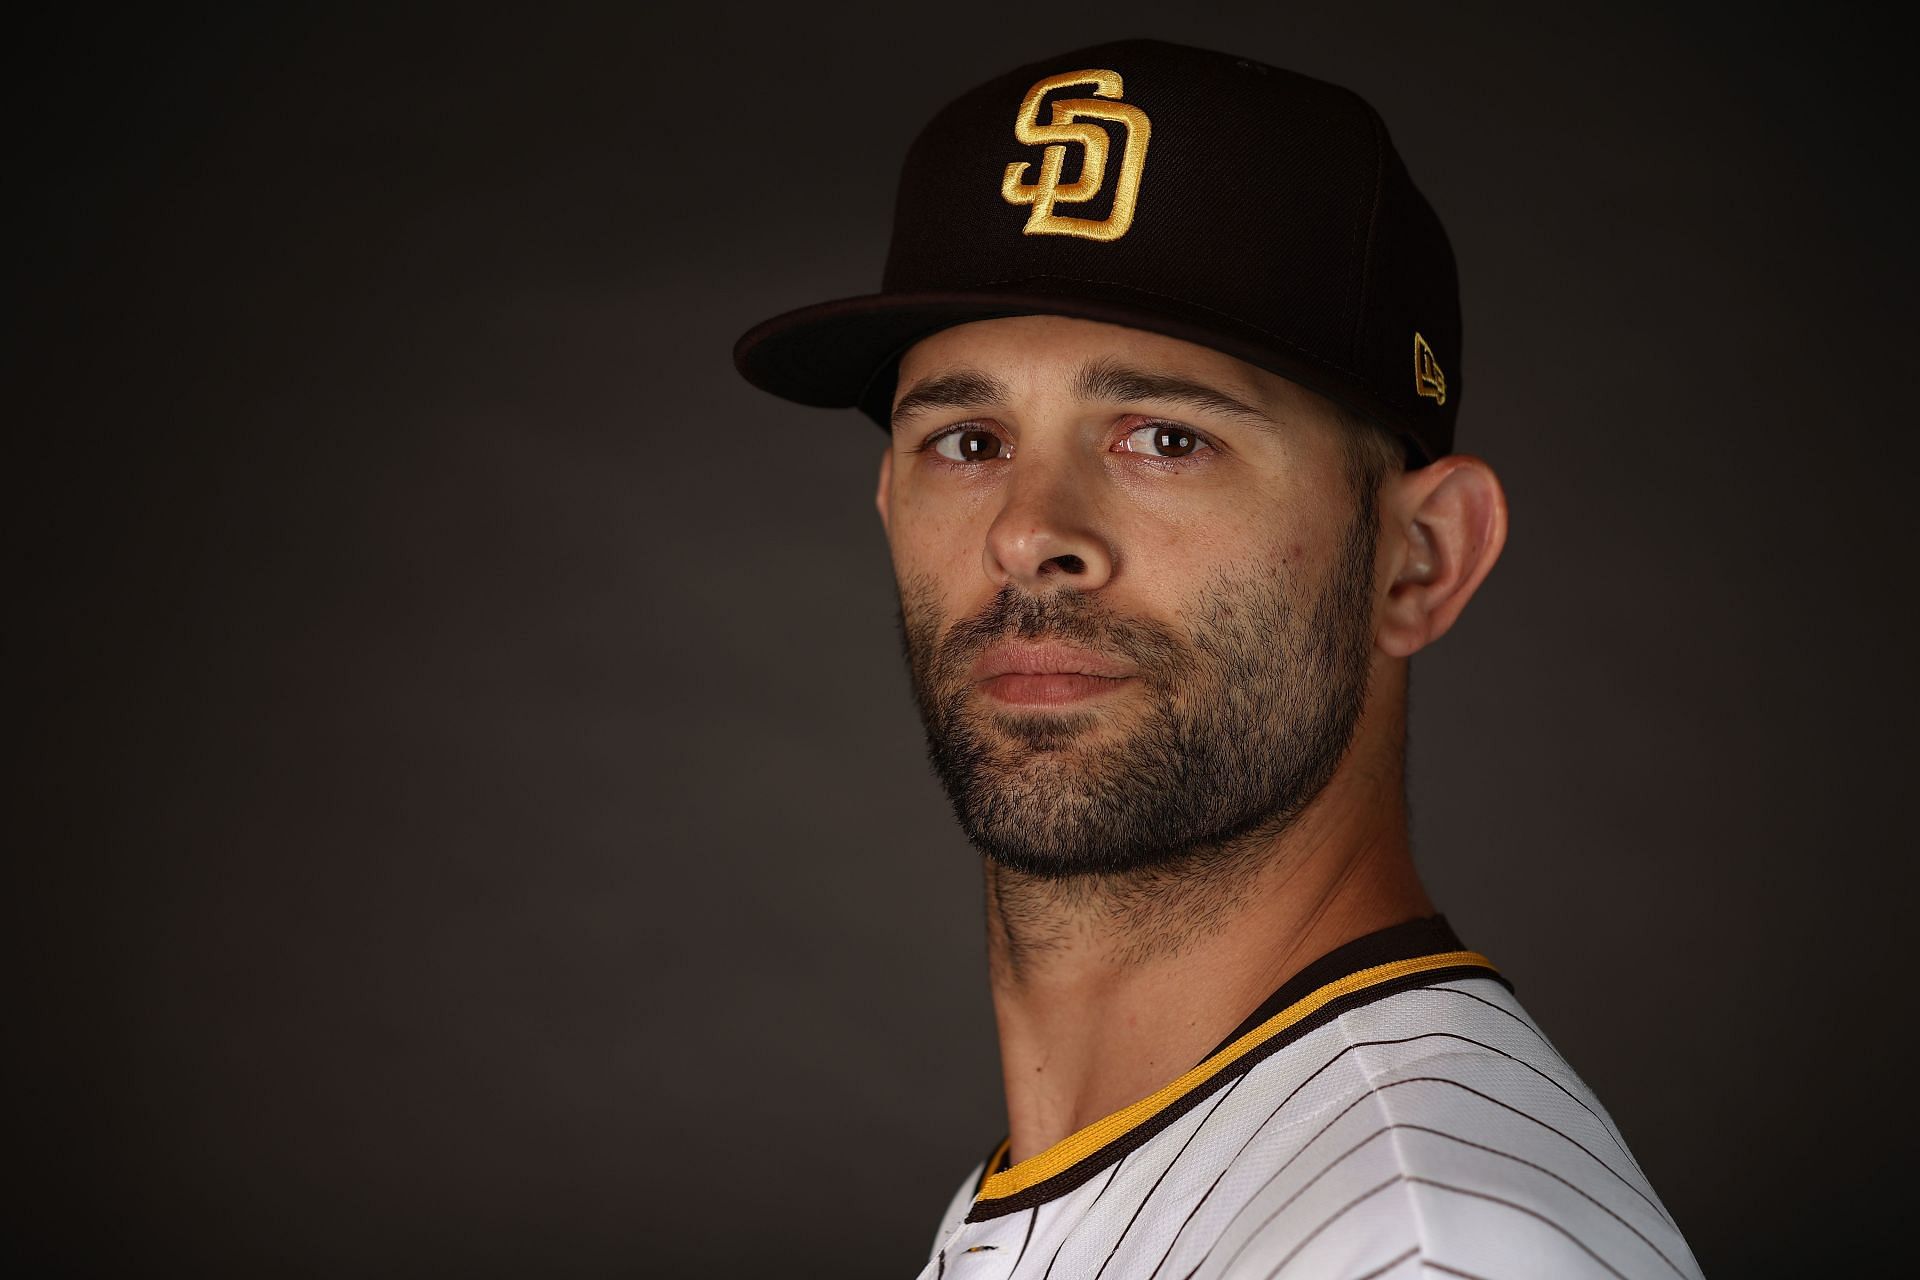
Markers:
point(1241, 715)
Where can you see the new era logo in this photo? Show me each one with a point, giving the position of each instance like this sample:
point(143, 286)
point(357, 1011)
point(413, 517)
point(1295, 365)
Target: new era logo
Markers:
point(1428, 380)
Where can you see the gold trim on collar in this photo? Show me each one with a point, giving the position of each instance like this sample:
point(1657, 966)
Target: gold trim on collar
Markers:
point(1075, 1147)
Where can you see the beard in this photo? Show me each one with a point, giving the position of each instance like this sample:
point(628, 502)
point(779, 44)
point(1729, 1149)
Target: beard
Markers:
point(1237, 722)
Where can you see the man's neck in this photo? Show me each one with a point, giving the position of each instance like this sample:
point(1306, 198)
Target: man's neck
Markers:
point(1107, 988)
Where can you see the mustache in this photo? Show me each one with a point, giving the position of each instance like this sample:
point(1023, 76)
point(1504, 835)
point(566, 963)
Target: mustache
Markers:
point(1067, 617)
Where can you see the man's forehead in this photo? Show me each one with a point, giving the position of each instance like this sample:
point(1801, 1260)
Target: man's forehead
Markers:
point(1040, 339)
point(1086, 359)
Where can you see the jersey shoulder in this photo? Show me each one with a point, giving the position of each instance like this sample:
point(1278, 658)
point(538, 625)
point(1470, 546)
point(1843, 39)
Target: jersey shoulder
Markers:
point(1436, 1130)
point(1431, 1130)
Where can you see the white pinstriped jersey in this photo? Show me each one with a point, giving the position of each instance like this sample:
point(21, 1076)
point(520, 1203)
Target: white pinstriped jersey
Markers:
point(1391, 1113)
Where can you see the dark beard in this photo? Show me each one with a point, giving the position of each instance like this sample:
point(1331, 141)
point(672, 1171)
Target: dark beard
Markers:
point(1245, 720)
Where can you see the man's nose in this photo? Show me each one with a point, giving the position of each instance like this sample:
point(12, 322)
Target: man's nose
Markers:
point(1048, 534)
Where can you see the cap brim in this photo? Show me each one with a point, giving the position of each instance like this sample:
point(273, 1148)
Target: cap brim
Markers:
point(844, 353)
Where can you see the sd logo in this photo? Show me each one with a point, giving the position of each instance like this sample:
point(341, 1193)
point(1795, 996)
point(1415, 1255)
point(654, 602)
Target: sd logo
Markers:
point(1066, 127)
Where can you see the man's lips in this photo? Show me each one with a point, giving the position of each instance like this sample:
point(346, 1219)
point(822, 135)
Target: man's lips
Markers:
point(1047, 659)
point(1047, 674)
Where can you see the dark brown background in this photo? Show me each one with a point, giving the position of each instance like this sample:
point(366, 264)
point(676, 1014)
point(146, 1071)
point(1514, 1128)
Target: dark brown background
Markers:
point(473, 818)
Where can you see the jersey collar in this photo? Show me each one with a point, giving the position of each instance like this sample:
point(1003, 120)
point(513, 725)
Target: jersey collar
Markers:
point(1415, 954)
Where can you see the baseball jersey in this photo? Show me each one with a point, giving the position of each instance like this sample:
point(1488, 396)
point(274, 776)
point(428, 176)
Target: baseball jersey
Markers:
point(1391, 1112)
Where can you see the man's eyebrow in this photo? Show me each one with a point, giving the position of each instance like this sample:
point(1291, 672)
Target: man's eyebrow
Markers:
point(959, 389)
point(1108, 379)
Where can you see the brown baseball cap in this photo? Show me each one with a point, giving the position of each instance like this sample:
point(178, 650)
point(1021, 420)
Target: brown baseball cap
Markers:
point(1249, 209)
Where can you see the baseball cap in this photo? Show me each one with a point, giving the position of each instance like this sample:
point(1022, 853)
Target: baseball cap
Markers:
point(1253, 210)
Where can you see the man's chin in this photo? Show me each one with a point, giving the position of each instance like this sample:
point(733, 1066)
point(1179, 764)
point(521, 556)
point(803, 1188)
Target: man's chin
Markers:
point(1075, 857)
point(1053, 732)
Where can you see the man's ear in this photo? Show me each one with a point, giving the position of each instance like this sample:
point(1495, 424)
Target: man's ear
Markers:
point(883, 496)
point(1444, 527)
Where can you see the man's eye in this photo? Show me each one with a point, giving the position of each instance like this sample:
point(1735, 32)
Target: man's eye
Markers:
point(1165, 440)
point(969, 444)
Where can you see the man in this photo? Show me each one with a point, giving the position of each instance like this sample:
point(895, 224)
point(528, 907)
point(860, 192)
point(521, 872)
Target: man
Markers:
point(1168, 351)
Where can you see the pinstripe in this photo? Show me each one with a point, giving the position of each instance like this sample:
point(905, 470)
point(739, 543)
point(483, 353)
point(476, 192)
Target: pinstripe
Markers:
point(1389, 1265)
point(1416, 1180)
point(1606, 1121)
point(1419, 1128)
point(1033, 1216)
point(1505, 1106)
point(1163, 1175)
point(1068, 1237)
point(1360, 1044)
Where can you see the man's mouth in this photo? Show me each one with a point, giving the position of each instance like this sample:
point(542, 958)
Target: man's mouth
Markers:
point(1048, 673)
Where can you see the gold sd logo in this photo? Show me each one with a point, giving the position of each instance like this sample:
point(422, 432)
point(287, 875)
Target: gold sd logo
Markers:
point(1048, 191)
point(1427, 378)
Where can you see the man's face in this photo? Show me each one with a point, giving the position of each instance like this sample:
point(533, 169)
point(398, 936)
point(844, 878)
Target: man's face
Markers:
point(1137, 590)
